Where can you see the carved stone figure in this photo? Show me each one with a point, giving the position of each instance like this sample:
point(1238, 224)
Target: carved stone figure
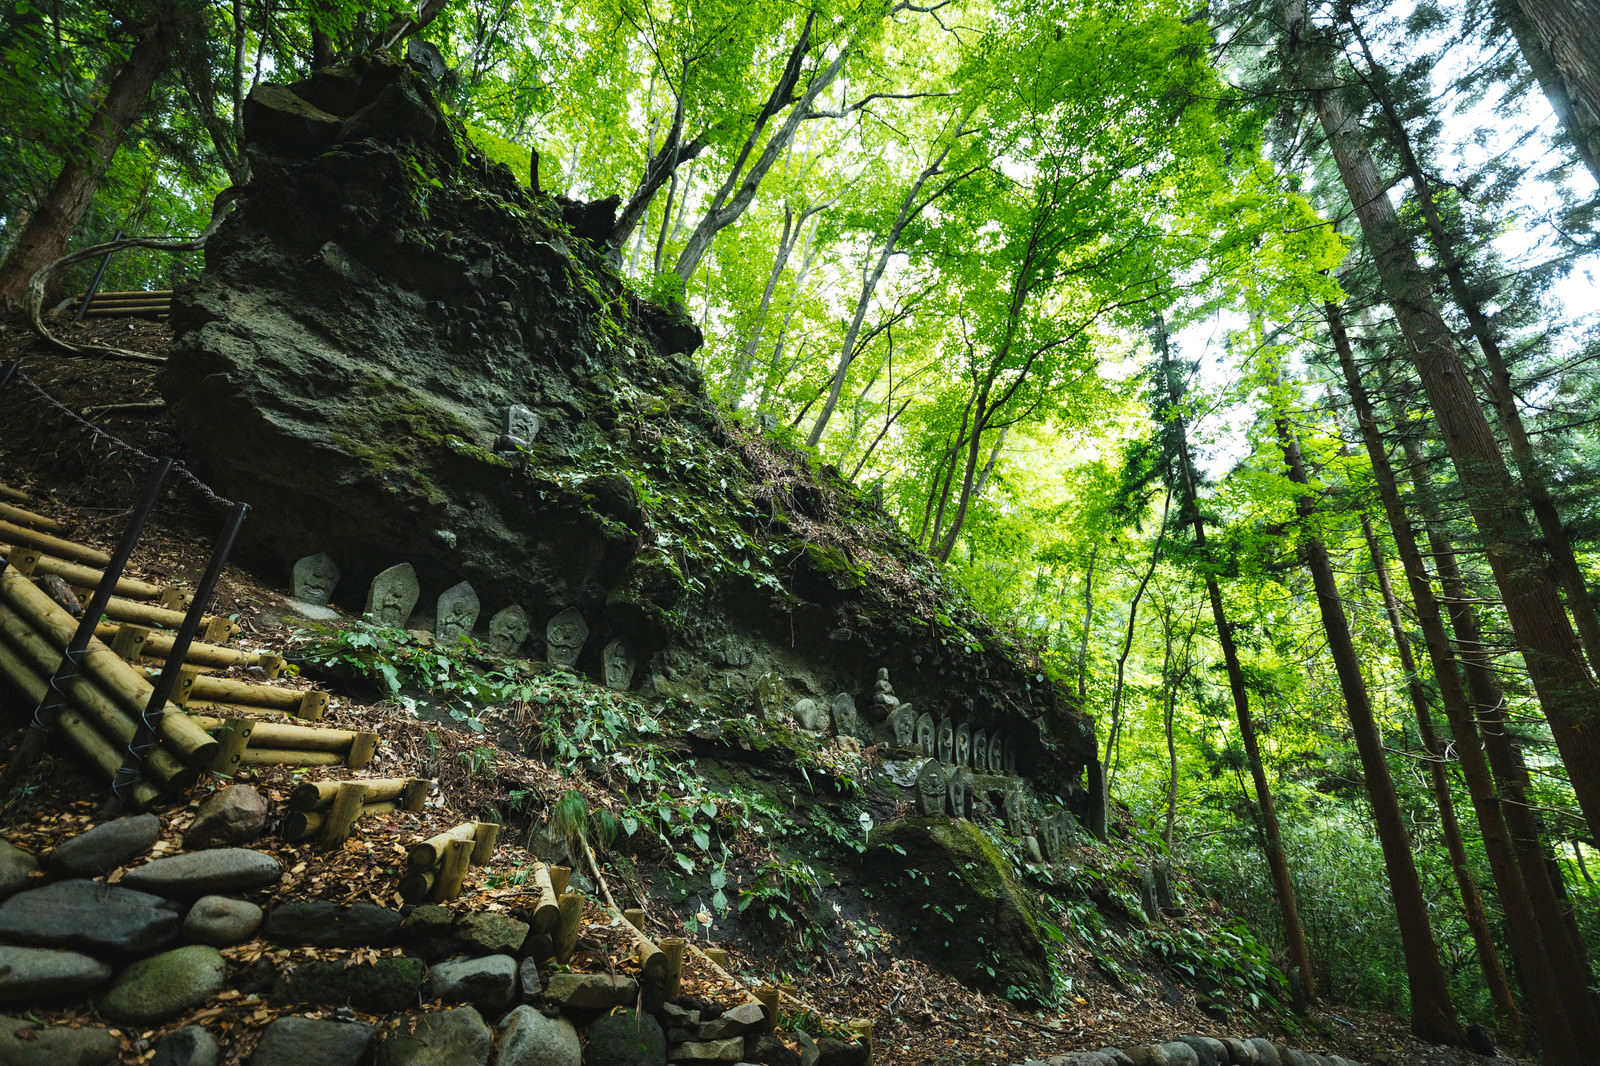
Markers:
point(457, 612)
point(925, 733)
point(883, 698)
point(1011, 808)
point(617, 660)
point(810, 716)
point(931, 787)
point(1010, 764)
point(393, 595)
point(564, 636)
point(315, 578)
point(963, 744)
point(980, 752)
point(946, 741)
point(1050, 839)
point(507, 630)
point(845, 719)
point(522, 425)
point(903, 726)
point(996, 755)
point(958, 786)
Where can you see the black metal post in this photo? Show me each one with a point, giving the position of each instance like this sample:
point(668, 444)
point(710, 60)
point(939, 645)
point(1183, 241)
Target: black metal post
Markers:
point(149, 722)
point(94, 286)
point(44, 716)
point(6, 371)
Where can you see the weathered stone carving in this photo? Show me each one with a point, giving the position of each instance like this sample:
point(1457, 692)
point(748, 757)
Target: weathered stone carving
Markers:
point(617, 660)
point(903, 726)
point(315, 578)
point(1010, 765)
point(883, 698)
point(457, 612)
point(522, 425)
point(1011, 808)
point(931, 786)
point(925, 733)
point(963, 744)
point(959, 787)
point(810, 716)
point(996, 755)
point(1050, 839)
point(564, 636)
point(393, 596)
point(946, 741)
point(507, 630)
point(980, 751)
point(845, 719)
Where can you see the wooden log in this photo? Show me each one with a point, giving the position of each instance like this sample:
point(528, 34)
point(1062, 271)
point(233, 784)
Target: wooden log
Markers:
point(362, 748)
point(298, 825)
point(313, 705)
point(32, 560)
point(296, 737)
point(652, 963)
point(126, 640)
point(417, 884)
point(862, 1028)
point(59, 547)
point(559, 876)
point(547, 913)
point(569, 927)
point(12, 513)
point(346, 808)
point(174, 598)
point(415, 794)
point(430, 852)
point(14, 493)
point(213, 655)
point(289, 757)
point(105, 755)
point(483, 841)
point(216, 629)
point(233, 739)
point(767, 996)
point(318, 795)
point(672, 948)
point(717, 956)
point(634, 916)
point(452, 871)
point(30, 661)
point(23, 601)
point(221, 690)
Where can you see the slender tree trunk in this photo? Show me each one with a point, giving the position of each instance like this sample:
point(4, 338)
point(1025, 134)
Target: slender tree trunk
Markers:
point(1432, 1015)
point(972, 484)
point(1529, 470)
point(45, 237)
point(1555, 662)
point(1114, 730)
point(1494, 974)
point(1294, 935)
point(1526, 934)
point(1088, 621)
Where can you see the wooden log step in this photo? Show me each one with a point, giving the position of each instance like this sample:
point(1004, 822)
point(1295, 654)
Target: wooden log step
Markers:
point(406, 792)
point(300, 825)
point(124, 295)
point(14, 494)
point(297, 737)
point(29, 661)
point(312, 707)
point(215, 628)
point(29, 560)
point(60, 547)
point(222, 690)
point(289, 757)
point(15, 514)
point(159, 644)
point(430, 852)
point(51, 621)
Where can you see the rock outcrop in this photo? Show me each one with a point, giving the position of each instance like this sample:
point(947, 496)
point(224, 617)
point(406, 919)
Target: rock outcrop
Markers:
point(381, 299)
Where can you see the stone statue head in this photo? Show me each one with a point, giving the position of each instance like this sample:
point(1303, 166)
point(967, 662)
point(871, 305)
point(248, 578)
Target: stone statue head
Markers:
point(564, 636)
point(315, 578)
point(507, 630)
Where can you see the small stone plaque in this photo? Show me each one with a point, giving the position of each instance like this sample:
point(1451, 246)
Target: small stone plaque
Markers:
point(903, 726)
point(457, 613)
point(980, 751)
point(507, 630)
point(997, 763)
point(946, 741)
point(963, 744)
point(617, 660)
point(931, 786)
point(393, 596)
point(315, 578)
point(925, 733)
point(564, 636)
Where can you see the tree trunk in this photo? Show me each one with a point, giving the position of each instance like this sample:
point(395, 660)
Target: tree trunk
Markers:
point(1527, 935)
point(1294, 935)
point(45, 238)
point(1555, 662)
point(1567, 33)
point(1432, 1016)
point(1529, 470)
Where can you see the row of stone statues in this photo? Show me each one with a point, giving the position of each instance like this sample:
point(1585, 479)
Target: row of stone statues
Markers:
point(944, 788)
point(393, 595)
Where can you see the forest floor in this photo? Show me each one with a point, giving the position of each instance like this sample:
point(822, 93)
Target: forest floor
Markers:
point(921, 1016)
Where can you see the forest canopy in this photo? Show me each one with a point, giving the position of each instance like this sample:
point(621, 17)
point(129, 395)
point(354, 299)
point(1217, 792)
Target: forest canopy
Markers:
point(1239, 359)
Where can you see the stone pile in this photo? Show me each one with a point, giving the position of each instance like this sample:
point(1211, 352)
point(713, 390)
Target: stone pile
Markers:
point(1196, 1051)
point(146, 951)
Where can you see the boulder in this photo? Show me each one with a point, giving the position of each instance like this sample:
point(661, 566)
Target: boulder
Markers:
point(221, 921)
point(490, 981)
point(441, 1038)
point(164, 986)
point(625, 1038)
point(1266, 1051)
point(528, 1038)
point(1180, 1053)
point(90, 916)
point(490, 933)
point(590, 991)
point(27, 1043)
point(381, 986)
point(200, 873)
point(16, 866)
point(324, 924)
point(106, 846)
point(291, 1041)
point(767, 1050)
point(729, 1050)
point(28, 975)
point(193, 1045)
point(1210, 1052)
point(1240, 1052)
point(832, 1051)
point(529, 986)
point(966, 875)
point(236, 815)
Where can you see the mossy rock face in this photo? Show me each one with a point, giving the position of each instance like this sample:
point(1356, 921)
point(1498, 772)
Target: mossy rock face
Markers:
point(959, 907)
